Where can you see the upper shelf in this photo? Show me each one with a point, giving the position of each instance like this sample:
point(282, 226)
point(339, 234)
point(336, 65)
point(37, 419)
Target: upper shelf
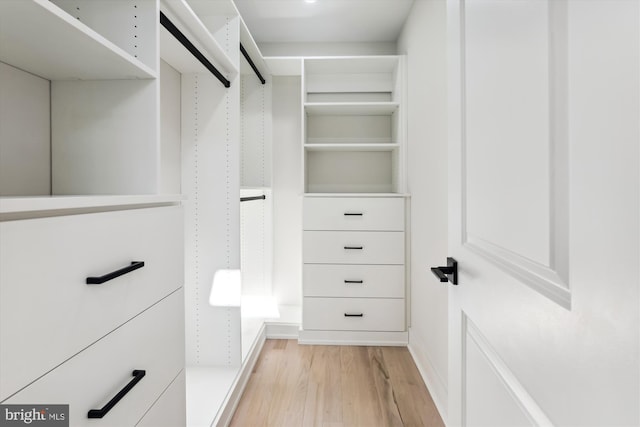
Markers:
point(17, 207)
point(69, 51)
point(351, 108)
point(190, 23)
point(250, 45)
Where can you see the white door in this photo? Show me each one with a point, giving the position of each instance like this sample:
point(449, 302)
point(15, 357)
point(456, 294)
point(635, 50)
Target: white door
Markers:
point(544, 212)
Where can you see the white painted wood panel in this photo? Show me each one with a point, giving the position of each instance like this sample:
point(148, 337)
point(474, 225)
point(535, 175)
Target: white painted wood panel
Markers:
point(334, 128)
point(350, 172)
point(353, 213)
point(484, 378)
point(25, 141)
point(92, 377)
point(363, 281)
point(255, 131)
point(115, 149)
point(211, 183)
point(287, 187)
point(507, 112)
point(353, 247)
point(256, 242)
point(44, 266)
point(170, 130)
point(331, 314)
point(520, 352)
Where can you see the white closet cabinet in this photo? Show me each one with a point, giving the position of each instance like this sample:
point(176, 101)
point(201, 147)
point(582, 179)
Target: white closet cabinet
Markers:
point(354, 206)
point(91, 251)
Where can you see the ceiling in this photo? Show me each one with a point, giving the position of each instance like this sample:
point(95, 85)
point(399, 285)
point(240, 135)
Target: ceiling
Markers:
point(324, 21)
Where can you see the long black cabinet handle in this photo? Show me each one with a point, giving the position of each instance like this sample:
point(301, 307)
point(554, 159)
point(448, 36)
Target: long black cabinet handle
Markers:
point(354, 247)
point(138, 374)
point(354, 315)
point(110, 276)
point(353, 281)
point(352, 214)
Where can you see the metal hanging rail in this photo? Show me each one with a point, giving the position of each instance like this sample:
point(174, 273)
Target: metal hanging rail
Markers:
point(248, 199)
point(166, 22)
point(255, 69)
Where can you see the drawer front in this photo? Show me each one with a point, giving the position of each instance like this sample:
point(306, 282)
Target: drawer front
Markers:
point(353, 314)
point(364, 281)
point(153, 342)
point(345, 213)
point(171, 409)
point(43, 291)
point(353, 247)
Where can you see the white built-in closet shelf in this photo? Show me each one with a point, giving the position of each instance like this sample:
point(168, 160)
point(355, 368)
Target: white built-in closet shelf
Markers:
point(192, 14)
point(351, 108)
point(352, 195)
point(62, 204)
point(50, 43)
point(356, 146)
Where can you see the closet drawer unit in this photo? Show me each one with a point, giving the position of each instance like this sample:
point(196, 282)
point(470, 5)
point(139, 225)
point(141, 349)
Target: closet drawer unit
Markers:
point(45, 264)
point(353, 213)
point(364, 281)
point(93, 377)
point(353, 247)
point(353, 314)
point(170, 410)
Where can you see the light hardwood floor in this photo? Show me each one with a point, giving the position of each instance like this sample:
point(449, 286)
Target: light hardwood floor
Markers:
point(302, 385)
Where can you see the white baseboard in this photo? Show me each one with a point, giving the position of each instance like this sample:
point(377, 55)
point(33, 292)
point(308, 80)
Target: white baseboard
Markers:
point(282, 331)
point(436, 386)
point(353, 338)
point(225, 414)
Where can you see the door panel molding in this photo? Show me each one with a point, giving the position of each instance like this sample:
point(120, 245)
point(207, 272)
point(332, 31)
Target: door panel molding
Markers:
point(549, 279)
point(542, 279)
point(523, 404)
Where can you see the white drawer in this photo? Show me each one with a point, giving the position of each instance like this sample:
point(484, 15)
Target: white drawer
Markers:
point(346, 213)
point(153, 342)
point(381, 281)
point(171, 408)
point(353, 314)
point(45, 302)
point(353, 247)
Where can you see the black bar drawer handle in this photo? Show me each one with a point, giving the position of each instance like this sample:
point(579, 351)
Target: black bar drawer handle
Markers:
point(354, 315)
point(353, 214)
point(354, 247)
point(99, 413)
point(110, 276)
point(353, 281)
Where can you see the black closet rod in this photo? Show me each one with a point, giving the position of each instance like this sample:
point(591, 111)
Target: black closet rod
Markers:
point(248, 199)
point(255, 69)
point(191, 48)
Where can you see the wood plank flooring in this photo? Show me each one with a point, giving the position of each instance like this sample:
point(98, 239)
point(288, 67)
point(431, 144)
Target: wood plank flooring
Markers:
point(335, 386)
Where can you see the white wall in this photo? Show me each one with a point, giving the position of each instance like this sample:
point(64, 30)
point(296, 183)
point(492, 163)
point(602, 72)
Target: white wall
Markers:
point(287, 191)
point(424, 41)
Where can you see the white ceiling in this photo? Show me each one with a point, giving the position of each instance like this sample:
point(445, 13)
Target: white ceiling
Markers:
point(325, 21)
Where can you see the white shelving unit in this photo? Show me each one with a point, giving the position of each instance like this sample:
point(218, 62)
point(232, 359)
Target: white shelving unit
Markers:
point(100, 62)
point(72, 50)
point(224, 137)
point(81, 198)
point(353, 127)
point(354, 207)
